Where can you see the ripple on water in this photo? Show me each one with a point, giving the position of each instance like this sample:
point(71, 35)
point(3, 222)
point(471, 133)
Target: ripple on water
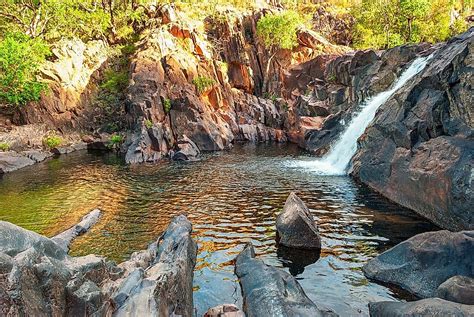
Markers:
point(231, 198)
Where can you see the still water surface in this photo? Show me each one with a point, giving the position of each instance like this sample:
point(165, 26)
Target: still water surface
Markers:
point(231, 198)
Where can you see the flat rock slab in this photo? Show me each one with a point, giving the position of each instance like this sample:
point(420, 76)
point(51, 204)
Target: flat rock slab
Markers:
point(295, 225)
point(433, 307)
point(422, 263)
point(459, 289)
point(12, 161)
point(268, 291)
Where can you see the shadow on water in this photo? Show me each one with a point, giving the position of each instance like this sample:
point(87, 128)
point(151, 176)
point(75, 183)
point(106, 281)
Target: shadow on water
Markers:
point(231, 199)
point(296, 260)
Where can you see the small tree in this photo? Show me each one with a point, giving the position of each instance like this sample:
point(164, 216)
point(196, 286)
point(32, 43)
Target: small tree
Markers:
point(412, 11)
point(278, 31)
point(20, 58)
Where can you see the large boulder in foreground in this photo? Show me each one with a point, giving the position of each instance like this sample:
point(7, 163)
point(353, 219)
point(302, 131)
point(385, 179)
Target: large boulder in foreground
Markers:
point(39, 278)
point(422, 263)
point(426, 307)
point(295, 225)
point(165, 287)
point(268, 291)
point(459, 289)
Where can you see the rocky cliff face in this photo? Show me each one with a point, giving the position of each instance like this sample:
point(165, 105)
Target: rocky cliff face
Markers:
point(204, 85)
point(419, 150)
point(72, 77)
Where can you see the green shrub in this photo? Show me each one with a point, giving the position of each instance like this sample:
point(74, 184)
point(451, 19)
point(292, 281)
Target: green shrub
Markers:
point(167, 105)
point(4, 146)
point(202, 83)
point(148, 124)
point(115, 141)
point(115, 81)
point(52, 141)
point(20, 59)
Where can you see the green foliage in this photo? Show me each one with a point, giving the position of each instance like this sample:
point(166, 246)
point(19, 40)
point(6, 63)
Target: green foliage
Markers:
point(20, 58)
point(167, 105)
point(202, 83)
point(279, 30)
point(4, 146)
point(51, 141)
point(115, 141)
point(388, 23)
point(148, 124)
point(115, 81)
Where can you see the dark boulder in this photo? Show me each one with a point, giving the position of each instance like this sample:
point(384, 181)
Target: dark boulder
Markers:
point(268, 291)
point(459, 289)
point(418, 151)
point(422, 263)
point(426, 307)
point(295, 225)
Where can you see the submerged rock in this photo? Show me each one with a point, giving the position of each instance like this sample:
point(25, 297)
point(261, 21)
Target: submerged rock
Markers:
point(268, 291)
point(422, 263)
point(459, 289)
point(295, 225)
point(424, 307)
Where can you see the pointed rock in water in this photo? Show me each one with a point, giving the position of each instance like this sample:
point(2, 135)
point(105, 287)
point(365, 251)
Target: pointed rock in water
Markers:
point(65, 238)
point(422, 263)
point(424, 307)
point(295, 225)
point(459, 289)
point(268, 291)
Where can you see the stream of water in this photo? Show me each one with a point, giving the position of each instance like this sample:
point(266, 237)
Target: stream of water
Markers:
point(337, 160)
point(231, 198)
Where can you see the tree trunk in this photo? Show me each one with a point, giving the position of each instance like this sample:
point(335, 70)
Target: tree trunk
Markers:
point(267, 72)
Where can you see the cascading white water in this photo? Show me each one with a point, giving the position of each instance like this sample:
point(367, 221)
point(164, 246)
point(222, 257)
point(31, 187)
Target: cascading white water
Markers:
point(337, 160)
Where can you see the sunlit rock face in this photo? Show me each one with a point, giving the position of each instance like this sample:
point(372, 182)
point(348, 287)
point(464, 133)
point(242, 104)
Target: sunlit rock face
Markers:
point(71, 76)
point(165, 92)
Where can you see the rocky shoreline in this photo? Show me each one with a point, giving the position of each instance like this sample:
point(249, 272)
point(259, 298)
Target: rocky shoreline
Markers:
point(38, 277)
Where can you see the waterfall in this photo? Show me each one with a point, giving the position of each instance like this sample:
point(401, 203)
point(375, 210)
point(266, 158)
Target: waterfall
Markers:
point(337, 160)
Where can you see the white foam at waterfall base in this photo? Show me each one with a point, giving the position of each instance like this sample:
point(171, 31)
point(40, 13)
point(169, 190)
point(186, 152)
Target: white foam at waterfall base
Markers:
point(337, 160)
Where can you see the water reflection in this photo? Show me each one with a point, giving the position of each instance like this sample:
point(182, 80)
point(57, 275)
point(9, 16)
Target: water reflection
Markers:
point(231, 198)
point(296, 260)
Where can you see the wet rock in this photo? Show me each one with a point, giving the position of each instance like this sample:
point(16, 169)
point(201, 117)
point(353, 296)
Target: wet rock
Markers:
point(268, 291)
point(12, 161)
point(295, 225)
point(424, 307)
point(459, 289)
point(65, 238)
point(188, 150)
point(226, 310)
point(422, 263)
